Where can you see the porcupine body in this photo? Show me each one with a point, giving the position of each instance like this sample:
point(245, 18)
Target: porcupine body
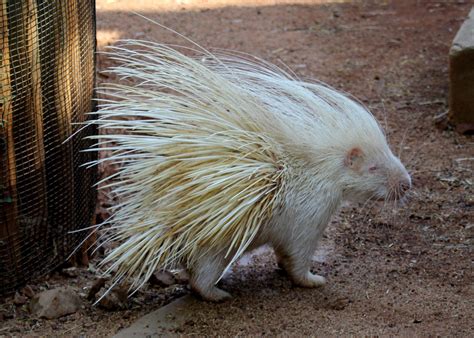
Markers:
point(222, 154)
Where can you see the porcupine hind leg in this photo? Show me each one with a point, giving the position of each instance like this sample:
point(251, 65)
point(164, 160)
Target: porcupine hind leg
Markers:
point(297, 262)
point(204, 275)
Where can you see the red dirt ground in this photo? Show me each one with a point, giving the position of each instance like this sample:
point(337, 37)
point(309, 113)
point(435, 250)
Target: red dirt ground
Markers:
point(405, 272)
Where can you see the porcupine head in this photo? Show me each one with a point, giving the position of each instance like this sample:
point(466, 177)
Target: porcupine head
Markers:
point(224, 153)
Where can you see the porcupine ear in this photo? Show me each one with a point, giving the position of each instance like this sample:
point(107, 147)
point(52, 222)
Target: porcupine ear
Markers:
point(354, 158)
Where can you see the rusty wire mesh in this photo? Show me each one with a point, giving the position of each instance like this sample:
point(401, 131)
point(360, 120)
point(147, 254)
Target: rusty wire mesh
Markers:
point(47, 77)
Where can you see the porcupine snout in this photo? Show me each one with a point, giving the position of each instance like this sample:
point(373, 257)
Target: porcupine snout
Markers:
point(399, 181)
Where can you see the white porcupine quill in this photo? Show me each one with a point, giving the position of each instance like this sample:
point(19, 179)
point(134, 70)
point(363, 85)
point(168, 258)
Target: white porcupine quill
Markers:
point(203, 157)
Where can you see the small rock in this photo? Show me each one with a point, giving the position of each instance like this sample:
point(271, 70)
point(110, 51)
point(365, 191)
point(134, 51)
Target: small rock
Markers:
point(162, 278)
point(55, 303)
point(340, 303)
point(99, 284)
point(19, 299)
point(28, 291)
point(114, 300)
point(71, 272)
point(181, 276)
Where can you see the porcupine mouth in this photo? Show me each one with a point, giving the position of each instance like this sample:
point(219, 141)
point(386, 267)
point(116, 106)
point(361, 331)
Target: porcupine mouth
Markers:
point(397, 196)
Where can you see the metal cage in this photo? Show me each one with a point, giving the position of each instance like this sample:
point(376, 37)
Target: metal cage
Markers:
point(47, 78)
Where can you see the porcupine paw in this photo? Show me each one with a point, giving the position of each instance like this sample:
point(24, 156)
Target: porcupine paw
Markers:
point(214, 294)
point(310, 280)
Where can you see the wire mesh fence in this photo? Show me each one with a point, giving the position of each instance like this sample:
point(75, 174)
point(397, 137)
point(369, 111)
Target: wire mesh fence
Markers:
point(47, 77)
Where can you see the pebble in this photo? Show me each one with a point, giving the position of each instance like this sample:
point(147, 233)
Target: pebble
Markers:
point(116, 299)
point(162, 278)
point(71, 272)
point(98, 284)
point(19, 299)
point(28, 291)
point(181, 276)
point(55, 303)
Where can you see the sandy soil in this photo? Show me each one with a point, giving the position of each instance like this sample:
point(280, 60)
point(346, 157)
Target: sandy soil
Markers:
point(404, 271)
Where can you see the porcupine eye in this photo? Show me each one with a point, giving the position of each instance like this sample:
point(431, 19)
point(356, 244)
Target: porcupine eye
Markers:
point(373, 168)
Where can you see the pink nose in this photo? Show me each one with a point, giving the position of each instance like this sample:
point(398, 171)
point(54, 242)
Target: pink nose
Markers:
point(403, 187)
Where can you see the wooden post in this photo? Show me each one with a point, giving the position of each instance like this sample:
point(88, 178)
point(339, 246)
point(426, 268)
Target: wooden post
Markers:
point(8, 221)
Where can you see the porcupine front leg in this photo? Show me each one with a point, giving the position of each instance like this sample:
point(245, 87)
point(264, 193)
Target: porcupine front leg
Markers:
point(296, 261)
point(204, 275)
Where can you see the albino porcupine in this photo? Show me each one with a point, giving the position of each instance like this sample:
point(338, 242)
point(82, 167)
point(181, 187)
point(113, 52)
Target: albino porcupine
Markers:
point(221, 154)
